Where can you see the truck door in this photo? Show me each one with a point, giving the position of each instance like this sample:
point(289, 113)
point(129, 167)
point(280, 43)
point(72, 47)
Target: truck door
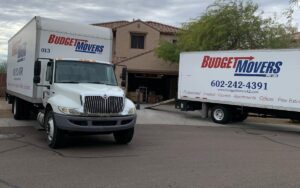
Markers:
point(48, 79)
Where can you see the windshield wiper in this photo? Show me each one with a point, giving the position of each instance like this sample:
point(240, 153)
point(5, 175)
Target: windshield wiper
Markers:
point(101, 83)
point(95, 82)
point(67, 82)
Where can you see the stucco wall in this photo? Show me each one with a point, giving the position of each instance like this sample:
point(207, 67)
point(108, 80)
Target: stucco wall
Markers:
point(123, 39)
point(141, 60)
point(169, 38)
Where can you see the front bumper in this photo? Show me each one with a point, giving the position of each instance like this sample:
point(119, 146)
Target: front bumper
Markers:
point(94, 124)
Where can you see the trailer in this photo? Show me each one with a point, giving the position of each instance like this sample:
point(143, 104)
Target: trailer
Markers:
point(62, 73)
point(232, 84)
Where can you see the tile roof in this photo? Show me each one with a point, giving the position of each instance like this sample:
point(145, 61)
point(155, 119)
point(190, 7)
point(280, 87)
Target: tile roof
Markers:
point(163, 28)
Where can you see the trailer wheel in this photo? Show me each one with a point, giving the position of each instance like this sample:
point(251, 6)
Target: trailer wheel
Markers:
point(240, 116)
point(17, 109)
point(124, 137)
point(221, 114)
point(55, 136)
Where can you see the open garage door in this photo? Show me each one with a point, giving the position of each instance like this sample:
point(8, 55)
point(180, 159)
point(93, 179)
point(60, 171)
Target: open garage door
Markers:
point(153, 87)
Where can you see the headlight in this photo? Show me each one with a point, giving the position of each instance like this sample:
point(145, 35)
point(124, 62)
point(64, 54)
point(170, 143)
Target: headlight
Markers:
point(65, 110)
point(132, 111)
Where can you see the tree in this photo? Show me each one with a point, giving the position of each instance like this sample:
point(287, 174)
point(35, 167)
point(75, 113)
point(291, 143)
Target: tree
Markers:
point(3, 67)
point(290, 11)
point(228, 25)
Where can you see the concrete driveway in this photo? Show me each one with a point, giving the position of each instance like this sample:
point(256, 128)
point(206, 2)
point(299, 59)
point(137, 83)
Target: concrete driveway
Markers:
point(249, 154)
point(159, 156)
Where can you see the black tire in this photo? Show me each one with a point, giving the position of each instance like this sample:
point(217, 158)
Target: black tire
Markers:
point(12, 107)
point(240, 116)
point(124, 137)
point(17, 109)
point(21, 109)
point(56, 138)
point(221, 114)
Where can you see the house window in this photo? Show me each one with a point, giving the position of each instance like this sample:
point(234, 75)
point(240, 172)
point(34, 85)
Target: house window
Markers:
point(137, 40)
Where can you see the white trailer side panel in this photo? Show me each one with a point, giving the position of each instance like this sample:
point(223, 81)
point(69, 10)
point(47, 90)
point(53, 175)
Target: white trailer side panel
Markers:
point(256, 78)
point(20, 60)
point(58, 39)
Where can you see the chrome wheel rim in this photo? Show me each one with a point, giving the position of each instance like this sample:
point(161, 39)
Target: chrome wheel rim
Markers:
point(219, 114)
point(50, 129)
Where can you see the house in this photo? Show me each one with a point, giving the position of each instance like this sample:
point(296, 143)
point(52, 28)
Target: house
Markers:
point(133, 46)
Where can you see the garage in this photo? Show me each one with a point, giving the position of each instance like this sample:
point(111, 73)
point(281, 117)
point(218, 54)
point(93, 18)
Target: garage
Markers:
point(152, 87)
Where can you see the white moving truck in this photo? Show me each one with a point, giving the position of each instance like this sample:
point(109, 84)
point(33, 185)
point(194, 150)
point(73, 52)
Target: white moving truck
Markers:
point(62, 71)
point(231, 84)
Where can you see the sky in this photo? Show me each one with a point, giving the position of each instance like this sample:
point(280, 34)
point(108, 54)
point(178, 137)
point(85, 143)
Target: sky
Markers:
point(14, 14)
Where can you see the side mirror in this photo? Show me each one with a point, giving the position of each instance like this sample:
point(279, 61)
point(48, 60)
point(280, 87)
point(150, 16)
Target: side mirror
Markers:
point(37, 72)
point(37, 68)
point(124, 73)
point(123, 83)
point(36, 79)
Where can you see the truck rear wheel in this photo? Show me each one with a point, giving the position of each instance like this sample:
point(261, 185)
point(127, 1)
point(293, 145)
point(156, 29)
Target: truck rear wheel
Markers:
point(17, 109)
point(124, 137)
point(55, 136)
point(21, 109)
point(240, 116)
point(221, 114)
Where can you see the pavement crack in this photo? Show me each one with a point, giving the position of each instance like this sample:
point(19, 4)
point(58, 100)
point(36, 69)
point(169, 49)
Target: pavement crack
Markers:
point(70, 156)
point(281, 143)
point(270, 139)
point(13, 149)
point(8, 184)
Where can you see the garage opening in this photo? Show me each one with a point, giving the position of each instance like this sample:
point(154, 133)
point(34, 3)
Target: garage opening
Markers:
point(153, 87)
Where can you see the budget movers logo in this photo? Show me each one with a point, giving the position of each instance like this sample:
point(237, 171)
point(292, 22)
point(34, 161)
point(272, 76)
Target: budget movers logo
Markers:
point(81, 45)
point(244, 66)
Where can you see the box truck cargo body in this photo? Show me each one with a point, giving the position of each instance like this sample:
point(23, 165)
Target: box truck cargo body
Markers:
point(62, 71)
point(233, 83)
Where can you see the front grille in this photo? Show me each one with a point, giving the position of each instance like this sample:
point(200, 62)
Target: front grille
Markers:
point(100, 105)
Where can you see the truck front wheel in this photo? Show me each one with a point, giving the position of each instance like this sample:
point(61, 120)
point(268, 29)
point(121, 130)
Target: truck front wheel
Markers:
point(55, 136)
point(124, 137)
point(221, 114)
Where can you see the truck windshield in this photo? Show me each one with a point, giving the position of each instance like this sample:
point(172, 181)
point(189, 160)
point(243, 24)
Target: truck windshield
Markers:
point(84, 72)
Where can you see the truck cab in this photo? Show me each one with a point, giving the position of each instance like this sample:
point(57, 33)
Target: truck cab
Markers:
point(82, 95)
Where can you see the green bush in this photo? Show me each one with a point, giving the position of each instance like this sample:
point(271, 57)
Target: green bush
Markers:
point(3, 67)
point(229, 25)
